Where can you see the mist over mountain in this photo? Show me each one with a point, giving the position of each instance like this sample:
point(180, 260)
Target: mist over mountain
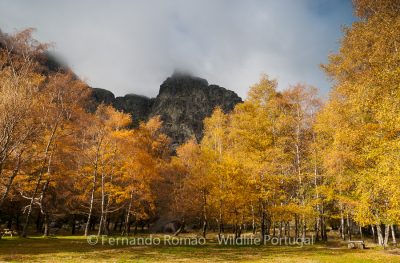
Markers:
point(183, 102)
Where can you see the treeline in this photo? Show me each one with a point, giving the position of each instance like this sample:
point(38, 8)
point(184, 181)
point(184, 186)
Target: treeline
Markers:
point(283, 164)
point(58, 160)
point(257, 166)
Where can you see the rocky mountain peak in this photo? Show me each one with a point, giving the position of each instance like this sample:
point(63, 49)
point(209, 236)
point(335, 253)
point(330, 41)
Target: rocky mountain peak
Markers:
point(183, 102)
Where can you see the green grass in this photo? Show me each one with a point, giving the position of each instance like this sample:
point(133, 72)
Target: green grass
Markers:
point(75, 249)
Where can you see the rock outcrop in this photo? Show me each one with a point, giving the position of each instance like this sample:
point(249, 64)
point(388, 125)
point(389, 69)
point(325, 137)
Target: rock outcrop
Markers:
point(183, 103)
point(137, 105)
point(102, 96)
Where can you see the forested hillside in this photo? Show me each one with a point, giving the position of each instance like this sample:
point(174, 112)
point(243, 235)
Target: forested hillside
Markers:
point(283, 162)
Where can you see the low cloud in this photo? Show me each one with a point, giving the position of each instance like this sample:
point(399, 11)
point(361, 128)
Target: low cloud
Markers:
point(132, 46)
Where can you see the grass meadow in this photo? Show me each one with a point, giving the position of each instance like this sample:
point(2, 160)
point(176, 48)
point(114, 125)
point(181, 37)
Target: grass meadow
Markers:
point(77, 249)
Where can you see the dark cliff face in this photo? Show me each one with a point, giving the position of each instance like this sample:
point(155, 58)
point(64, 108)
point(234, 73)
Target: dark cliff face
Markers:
point(99, 96)
point(138, 106)
point(183, 103)
point(102, 96)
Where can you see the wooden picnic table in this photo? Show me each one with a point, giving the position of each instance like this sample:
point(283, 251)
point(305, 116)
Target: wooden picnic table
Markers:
point(7, 231)
point(356, 244)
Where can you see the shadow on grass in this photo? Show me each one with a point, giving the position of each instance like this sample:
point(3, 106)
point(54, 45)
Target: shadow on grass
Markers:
point(74, 248)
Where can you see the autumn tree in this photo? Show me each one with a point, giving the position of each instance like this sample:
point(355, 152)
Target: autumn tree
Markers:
point(20, 82)
point(145, 152)
point(360, 121)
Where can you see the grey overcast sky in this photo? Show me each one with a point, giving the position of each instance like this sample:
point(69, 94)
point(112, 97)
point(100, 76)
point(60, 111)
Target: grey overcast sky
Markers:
point(132, 46)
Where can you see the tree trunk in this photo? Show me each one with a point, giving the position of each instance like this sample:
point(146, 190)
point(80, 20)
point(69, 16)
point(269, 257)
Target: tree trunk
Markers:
point(128, 213)
point(348, 226)
point(317, 228)
point(101, 224)
point(11, 179)
point(116, 223)
point(205, 221)
point(317, 221)
point(93, 188)
point(46, 225)
point(324, 236)
point(373, 233)
point(379, 234)
point(17, 225)
point(39, 179)
point(342, 233)
point(323, 228)
point(106, 227)
point(253, 220)
point(262, 221)
point(9, 222)
point(41, 203)
point(136, 227)
point(386, 240)
point(181, 228)
point(120, 223)
point(88, 221)
point(38, 223)
point(105, 203)
point(304, 228)
point(73, 225)
point(220, 221)
point(393, 235)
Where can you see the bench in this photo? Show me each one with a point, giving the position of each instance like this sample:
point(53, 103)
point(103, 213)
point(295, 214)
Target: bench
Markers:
point(53, 231)
point(7, 231)
point(356, 244)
